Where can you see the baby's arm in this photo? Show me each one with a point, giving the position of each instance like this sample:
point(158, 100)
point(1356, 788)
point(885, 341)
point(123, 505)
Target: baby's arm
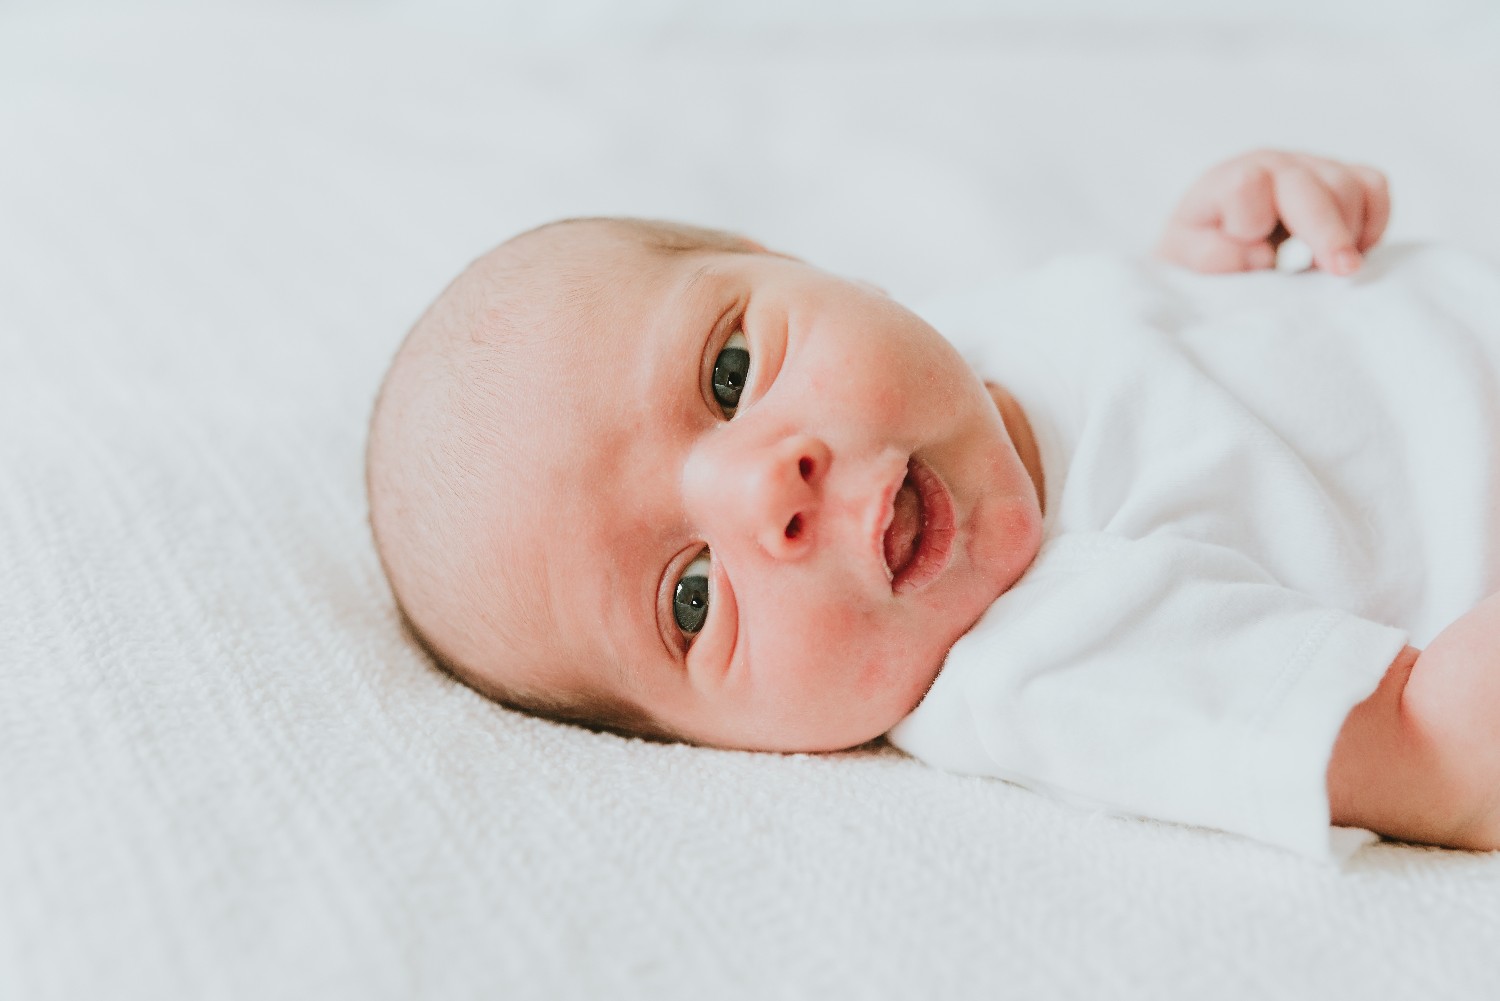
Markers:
point(1233, 216)
point(1420, 758)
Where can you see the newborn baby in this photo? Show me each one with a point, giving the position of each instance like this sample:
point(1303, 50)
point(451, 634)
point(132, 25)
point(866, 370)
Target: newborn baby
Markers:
point(660, 480)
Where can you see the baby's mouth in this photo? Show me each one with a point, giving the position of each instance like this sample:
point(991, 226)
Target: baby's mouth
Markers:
point(904, 532)
point(920, 534)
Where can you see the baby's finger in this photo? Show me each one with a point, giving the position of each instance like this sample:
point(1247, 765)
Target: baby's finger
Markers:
point(1248, 204)
point(1377, 205)
point(1310, 210)
point(1348, 191)
point(1209, 250)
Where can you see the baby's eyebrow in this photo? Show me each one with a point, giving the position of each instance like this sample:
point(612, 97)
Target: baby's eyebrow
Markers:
point(700, 274)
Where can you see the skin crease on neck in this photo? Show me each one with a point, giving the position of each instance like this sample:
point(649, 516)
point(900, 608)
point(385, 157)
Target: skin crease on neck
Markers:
point(629, 471)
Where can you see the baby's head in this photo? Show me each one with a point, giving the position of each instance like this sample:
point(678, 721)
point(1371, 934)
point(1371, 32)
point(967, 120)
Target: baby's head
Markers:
point(656, 479)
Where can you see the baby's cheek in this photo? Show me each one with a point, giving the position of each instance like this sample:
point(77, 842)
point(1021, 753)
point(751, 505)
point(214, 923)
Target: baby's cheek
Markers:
point(884, 405)
point(870, 659)
point(826, 637)
point(872, 673)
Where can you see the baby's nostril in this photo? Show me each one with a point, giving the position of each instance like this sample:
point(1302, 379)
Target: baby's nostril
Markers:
point(794, 527)
point(805, 467)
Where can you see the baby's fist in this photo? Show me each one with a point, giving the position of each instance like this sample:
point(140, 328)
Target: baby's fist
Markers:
point(1233, 217)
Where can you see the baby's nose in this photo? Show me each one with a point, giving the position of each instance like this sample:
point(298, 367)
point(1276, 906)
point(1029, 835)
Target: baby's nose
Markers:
point(775, 494)
point(790, 488)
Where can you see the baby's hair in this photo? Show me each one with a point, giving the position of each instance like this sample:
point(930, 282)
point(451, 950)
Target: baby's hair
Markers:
point(437, 401)
point(591, 710)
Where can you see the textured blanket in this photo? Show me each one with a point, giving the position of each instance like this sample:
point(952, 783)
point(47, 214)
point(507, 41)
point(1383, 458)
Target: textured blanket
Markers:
point(225, 773)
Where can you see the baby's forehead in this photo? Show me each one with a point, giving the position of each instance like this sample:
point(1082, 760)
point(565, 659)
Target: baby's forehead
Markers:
point(585, 258)
point(568, 297)
point(579, 258)
point(551, 353)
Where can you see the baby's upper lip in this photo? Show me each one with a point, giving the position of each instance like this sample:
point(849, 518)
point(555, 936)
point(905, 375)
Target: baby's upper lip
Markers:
point(882, 510)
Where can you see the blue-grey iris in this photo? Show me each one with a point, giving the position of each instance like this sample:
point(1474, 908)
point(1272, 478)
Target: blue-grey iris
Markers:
point(690, 598)
point(731, 371)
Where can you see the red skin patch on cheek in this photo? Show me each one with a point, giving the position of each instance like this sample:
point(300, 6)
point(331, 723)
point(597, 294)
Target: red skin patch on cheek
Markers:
point(872, 671)
point(885, 401)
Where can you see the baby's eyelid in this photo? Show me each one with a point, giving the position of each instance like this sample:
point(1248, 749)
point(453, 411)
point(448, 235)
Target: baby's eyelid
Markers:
point(711, 653)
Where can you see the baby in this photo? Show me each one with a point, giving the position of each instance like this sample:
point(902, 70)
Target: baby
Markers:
point(663, 481)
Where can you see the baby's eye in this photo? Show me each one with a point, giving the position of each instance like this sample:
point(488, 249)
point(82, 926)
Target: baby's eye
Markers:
point(690, 599)
point(731, 370)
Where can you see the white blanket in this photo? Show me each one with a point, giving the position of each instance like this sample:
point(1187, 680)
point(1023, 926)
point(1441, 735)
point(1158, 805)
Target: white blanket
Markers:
point(223, 770)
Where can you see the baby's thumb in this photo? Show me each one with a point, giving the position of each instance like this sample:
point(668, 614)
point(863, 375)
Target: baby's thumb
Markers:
point(1210, 250)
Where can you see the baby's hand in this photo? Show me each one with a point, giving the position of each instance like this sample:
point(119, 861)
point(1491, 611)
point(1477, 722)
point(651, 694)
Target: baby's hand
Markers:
point(1234, 216)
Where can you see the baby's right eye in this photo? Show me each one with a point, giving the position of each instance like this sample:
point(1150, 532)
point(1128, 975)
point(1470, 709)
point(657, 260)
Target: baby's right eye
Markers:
point(731, 372)
point(690, 597)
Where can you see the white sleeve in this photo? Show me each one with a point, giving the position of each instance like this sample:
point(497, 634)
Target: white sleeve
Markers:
point(1160, 677)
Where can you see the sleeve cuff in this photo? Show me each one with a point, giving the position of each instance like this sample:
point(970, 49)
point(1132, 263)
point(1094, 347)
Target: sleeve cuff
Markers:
point(1286, 751)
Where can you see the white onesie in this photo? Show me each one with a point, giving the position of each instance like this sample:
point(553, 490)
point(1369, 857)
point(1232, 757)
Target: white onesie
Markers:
point(1259, 488)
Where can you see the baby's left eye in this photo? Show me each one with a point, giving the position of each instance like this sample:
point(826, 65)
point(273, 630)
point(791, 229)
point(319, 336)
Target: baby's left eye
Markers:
point(690, 596)
point(731, 372)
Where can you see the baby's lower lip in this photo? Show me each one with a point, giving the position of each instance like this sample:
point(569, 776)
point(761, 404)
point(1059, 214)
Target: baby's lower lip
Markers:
point(934, 541)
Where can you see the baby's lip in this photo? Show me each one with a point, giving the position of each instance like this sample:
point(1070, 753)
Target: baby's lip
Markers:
point(883, 512)
point(935, 534)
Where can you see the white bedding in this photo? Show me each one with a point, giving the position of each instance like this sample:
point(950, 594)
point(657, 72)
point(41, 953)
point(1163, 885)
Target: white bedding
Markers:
point(224, 772)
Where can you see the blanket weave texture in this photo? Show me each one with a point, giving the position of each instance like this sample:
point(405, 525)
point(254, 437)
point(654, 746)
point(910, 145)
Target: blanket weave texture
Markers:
point(224, 771)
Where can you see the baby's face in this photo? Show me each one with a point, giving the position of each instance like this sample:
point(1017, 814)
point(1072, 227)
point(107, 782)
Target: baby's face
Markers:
point(760, 501)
